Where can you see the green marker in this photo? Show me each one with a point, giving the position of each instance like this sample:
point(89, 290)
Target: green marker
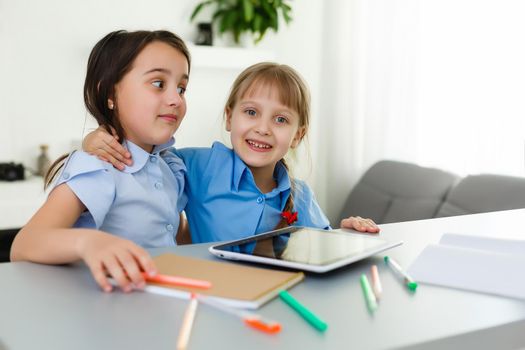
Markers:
point(309, 316)
point(411, 284)
point(370, 298)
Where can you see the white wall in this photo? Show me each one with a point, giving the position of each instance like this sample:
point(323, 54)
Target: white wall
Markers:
point(45, 45)
point(44, 50)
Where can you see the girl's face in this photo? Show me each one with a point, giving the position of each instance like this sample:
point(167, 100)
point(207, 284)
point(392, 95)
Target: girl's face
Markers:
point(150, 97)
point(262, 129)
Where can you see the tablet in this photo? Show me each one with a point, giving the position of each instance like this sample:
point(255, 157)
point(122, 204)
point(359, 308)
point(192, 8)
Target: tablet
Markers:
point(303, 248)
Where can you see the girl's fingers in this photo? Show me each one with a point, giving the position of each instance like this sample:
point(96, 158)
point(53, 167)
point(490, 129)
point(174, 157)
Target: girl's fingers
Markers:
point(371, 226)
point(110, 159)
point(100, 277)
point(359, 224)
point(116, 271)
point(132, 269)
point(111, 146)
point(373, 229)
point(144, 260)
point(350, 222)
point(117, 150)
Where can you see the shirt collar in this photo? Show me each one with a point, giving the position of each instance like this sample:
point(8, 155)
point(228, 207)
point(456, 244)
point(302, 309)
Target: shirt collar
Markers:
point(280, 174)
point(140, 156)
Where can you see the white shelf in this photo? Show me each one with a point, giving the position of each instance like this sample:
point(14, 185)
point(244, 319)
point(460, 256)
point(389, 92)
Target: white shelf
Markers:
point(227, 57)
point(19, 200)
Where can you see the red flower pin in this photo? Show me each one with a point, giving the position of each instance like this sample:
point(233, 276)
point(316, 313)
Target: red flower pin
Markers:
point(290, 217)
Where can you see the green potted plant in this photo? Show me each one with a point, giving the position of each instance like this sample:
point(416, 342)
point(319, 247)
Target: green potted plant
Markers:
point(246, 16)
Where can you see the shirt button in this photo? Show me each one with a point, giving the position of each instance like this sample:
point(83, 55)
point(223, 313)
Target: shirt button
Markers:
point(158, 185)
point(66, 176)
point(260, 200)
point(169, 227)
point(152, 159)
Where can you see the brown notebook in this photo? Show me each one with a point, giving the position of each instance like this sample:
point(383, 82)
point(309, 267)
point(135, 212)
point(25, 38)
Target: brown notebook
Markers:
point(233, 284)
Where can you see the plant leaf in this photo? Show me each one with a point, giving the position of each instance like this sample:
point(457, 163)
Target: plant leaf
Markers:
point(274, 23)
point(272, 12)
point(217, 14)
point(286, 10)
point(198, 9)
point(257, 22)
point(252, 16)
point(248, 10)
point(261, 36)
point(228, 21)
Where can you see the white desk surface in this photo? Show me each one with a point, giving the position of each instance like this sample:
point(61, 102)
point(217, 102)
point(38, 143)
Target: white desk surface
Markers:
point(60, 307)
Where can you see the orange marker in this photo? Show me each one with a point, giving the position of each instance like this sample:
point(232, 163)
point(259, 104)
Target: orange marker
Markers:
point(251, 319)
point(177, 281)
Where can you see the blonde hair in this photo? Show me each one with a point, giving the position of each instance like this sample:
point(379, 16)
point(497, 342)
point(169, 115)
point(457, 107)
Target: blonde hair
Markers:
point(292, 91)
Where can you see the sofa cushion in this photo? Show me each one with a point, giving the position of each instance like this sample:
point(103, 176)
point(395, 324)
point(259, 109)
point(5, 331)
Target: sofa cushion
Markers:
point(484, 193)
point(392, 191)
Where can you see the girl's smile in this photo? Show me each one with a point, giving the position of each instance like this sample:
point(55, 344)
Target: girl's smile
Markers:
point(259, 146)
point(262, 130)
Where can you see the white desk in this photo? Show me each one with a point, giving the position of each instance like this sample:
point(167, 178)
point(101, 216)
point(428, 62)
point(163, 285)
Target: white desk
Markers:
point(60, 307)
point(19, 200)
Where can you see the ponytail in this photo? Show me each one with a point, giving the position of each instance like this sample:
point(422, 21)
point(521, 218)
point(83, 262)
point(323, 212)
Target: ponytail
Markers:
point(289, 202)
point(54, 170)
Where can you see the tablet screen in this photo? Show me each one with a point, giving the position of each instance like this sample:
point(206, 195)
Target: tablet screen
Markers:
point(305, 245)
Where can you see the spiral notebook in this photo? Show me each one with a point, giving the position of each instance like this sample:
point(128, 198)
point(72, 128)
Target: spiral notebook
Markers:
point(233, 284)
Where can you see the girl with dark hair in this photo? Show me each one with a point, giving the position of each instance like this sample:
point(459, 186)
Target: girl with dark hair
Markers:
point(135, 85)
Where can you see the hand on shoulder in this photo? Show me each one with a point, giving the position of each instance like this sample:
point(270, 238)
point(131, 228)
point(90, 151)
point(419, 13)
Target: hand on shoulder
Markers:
point(107, 148)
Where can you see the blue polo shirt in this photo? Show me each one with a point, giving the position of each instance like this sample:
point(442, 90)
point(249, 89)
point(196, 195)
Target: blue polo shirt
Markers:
point(224, 202)
point(141, 203)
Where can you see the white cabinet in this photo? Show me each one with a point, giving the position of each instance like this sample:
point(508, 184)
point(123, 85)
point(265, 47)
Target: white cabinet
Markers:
point(19, 200)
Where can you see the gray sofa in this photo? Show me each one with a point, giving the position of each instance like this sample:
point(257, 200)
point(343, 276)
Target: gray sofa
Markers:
point(392, 191)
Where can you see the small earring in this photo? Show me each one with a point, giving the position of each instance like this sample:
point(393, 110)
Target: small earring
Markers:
point(111, 105)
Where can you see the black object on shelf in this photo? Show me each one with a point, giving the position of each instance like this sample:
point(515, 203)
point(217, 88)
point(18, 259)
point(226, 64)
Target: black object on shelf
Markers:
point(11, 172)
point(205, 34)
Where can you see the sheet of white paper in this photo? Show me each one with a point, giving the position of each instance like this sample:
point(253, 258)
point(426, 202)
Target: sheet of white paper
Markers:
point(478, 270)
point(491, 244)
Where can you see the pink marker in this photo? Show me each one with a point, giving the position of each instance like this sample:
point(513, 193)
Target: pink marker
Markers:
point(376, 283)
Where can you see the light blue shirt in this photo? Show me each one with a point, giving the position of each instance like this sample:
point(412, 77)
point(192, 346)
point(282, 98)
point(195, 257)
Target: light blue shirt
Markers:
point(141, 203)
point(224, 202)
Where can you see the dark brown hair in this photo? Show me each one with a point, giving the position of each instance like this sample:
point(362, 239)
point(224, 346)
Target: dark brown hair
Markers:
point(292, 91)
point(111, 58)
